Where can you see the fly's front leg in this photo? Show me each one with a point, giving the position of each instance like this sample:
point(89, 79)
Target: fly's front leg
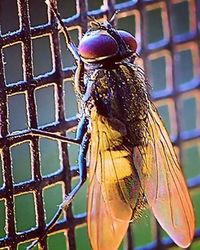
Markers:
point(79, 84)
point(70, 44)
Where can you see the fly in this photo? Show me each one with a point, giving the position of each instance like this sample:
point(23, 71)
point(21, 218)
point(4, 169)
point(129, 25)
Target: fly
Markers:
point(132, 162)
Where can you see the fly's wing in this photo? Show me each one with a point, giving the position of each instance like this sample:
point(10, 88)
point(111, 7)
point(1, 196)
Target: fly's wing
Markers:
point(163, 182)
point(113, 186)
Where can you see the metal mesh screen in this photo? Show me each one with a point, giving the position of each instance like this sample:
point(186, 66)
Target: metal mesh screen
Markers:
point(168, 36)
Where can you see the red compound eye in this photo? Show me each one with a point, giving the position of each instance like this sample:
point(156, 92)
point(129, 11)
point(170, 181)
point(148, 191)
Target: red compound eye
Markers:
point(97, 47)
point(129, 40)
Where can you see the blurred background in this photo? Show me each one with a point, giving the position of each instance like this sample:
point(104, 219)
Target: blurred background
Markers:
point(169, 45)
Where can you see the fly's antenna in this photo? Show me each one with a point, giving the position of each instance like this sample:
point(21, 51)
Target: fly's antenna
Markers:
point(91, 18)
point(70, 44)
point(93, 21)
point(112, 19)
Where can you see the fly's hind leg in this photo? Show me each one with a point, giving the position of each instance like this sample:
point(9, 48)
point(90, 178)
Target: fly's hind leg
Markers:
point(83, 136)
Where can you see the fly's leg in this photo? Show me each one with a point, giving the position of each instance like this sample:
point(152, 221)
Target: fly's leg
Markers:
point(84, 137)
point(46, 134)
point(82, 172)
point(71, 46)
point(78, 78)
point(79, 84)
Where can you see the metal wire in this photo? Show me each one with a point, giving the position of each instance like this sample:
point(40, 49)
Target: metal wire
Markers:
point(169, 46)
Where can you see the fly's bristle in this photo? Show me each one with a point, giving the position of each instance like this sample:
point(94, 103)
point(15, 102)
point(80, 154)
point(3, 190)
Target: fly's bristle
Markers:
point(140, 207)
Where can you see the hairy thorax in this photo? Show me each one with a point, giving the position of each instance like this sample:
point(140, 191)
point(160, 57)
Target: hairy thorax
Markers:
point(120, 92)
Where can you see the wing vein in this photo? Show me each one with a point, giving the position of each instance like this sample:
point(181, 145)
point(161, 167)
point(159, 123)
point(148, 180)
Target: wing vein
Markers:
point(118, 182)
point(177, 186)
point(156, 162)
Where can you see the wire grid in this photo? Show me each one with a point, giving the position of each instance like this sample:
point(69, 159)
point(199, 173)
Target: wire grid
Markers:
point(169, 47)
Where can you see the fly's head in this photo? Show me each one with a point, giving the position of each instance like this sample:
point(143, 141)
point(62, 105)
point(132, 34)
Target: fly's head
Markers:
point(102, 43)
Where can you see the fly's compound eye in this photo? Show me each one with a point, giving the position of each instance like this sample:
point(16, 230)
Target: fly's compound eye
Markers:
point(98, 46)
point(129, 40)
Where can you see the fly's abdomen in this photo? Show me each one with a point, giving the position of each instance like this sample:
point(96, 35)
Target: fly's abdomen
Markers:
point(113, 166)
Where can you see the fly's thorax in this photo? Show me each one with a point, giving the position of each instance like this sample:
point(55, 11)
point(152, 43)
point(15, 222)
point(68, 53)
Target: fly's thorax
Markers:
point(99, 90)
point(120, 92)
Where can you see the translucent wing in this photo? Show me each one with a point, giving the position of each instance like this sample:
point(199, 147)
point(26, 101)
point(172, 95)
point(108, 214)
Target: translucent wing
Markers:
point(163, 182)
point(113, 186)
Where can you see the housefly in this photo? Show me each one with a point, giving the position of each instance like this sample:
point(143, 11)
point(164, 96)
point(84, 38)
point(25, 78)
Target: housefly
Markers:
point(132, 163)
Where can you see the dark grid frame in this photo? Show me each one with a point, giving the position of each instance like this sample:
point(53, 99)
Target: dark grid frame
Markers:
point(170, 43)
